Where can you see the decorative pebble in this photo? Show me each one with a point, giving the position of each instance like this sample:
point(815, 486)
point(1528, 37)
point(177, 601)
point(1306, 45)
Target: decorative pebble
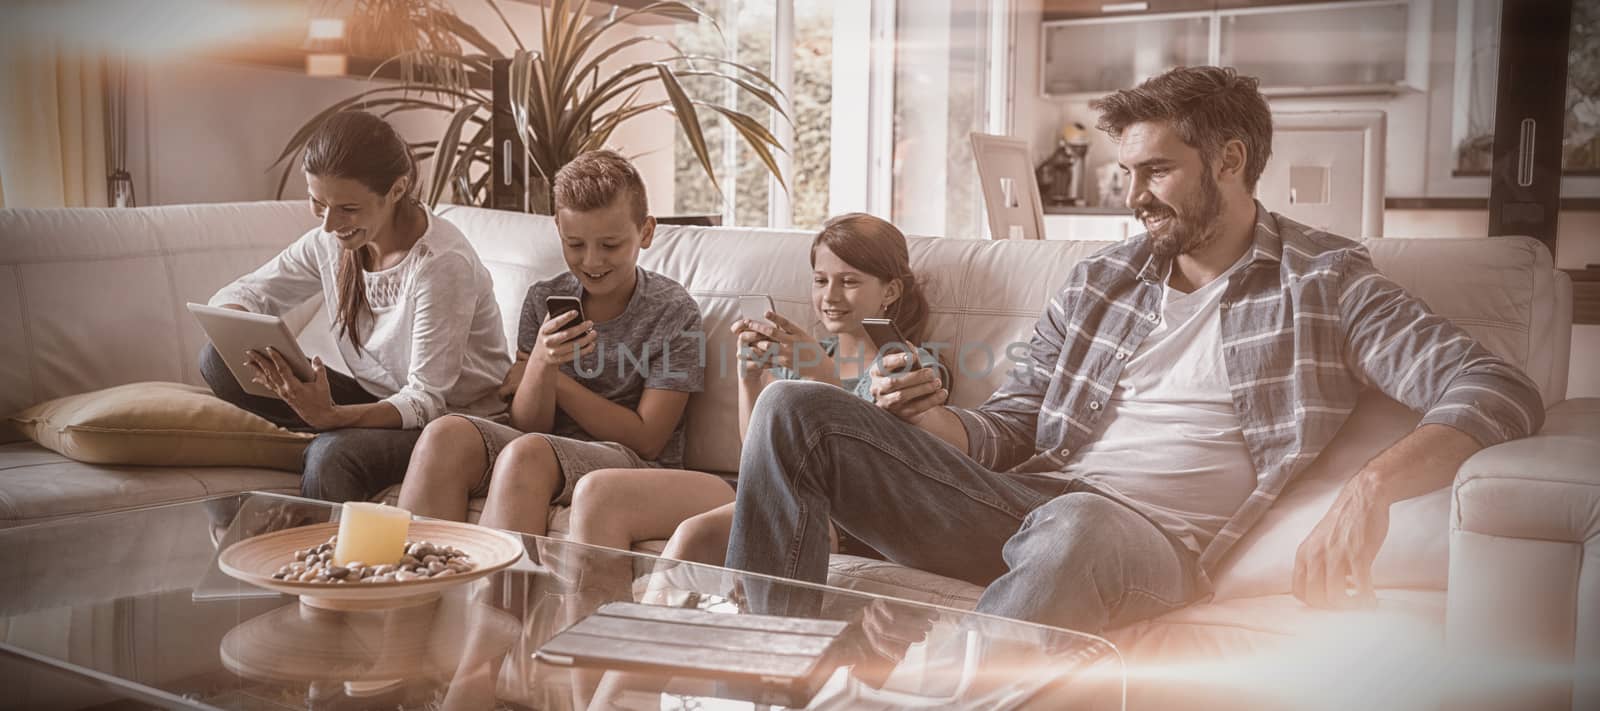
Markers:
point(422, 560)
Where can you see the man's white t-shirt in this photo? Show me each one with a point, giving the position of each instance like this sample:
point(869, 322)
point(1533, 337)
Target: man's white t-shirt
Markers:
point(1169, 442)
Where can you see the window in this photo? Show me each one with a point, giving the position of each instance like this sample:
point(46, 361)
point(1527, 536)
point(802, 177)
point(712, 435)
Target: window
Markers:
point(745, 37)
point(813, 114)
point(887, 133)
point(941, 81)
point(750, 32)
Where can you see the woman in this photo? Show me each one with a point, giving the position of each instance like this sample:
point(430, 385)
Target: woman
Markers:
point(412, 305)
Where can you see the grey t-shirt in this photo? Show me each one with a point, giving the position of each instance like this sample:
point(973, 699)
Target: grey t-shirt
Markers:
point(656, 343)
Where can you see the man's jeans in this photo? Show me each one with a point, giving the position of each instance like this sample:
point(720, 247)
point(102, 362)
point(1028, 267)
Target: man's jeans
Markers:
point(1050, 550)
point(351, 464)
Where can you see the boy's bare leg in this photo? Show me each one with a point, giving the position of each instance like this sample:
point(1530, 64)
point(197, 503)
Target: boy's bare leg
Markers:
point(448, 461)
point(525, 478)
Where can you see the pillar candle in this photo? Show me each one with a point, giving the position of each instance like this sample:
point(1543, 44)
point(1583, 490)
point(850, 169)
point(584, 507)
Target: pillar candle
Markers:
point(370, 533)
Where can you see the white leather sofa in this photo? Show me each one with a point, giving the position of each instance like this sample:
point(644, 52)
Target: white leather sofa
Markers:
point(1490, 591)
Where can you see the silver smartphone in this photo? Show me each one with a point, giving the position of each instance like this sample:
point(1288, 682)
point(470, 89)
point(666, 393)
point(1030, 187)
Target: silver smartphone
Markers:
point(754, 307)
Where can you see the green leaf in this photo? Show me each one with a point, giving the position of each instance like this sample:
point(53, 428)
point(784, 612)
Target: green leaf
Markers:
point(688, 119)
point(592, 68)
point(758, 138)
point(569, 54)
point(747, 69)
point(766, 97)
point(608, 123)
point(738, 118)
point(610, 89)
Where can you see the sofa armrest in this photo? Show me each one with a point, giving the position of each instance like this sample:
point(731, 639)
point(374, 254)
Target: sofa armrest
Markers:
point(1525, 565)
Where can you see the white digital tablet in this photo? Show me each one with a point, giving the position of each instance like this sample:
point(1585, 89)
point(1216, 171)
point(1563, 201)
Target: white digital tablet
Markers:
point(235, 333)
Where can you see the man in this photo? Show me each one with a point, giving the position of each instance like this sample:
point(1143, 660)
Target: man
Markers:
point(1174, 386)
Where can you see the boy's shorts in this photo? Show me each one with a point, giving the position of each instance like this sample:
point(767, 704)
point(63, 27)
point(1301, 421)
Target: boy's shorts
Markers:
point(575, 457)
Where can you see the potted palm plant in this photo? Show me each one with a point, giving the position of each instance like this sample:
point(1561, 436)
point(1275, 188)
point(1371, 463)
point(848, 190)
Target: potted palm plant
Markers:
point(563, 100)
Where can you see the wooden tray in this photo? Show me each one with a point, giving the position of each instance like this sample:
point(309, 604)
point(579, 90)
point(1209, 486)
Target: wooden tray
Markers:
point(254, 560)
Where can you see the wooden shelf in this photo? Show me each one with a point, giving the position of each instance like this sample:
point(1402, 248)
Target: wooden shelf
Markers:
point(294, 59)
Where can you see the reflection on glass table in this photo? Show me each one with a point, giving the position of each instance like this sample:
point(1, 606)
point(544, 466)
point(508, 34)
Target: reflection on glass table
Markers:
point(132, 606)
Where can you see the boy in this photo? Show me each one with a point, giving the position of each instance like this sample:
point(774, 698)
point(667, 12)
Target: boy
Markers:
point(606, 391)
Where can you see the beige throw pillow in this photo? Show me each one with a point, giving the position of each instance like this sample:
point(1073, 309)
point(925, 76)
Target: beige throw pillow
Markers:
point(160, 424)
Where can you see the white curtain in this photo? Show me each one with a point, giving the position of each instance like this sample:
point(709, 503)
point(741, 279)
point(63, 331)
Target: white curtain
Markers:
point(52, 127)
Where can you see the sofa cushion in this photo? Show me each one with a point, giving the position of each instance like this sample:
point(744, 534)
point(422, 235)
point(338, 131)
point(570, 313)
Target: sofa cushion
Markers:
point(94, 297)
point(1416, 551)
point(160, 424)
point(37, 484)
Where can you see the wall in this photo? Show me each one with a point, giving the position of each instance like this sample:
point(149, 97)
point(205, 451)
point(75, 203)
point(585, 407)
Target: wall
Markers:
point(206, 131)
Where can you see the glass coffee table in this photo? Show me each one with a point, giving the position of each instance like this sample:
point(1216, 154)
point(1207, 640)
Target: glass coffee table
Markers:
point(129, 610)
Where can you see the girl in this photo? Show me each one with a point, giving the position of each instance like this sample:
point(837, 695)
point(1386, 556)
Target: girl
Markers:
point(860, 269)
point(414, 309)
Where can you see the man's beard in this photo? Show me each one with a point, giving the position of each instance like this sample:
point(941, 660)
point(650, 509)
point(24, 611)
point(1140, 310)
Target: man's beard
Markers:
point(1194, 228)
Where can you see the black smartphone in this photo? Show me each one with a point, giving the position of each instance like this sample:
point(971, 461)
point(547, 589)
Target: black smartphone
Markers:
point(886, 337)
point(557, 305)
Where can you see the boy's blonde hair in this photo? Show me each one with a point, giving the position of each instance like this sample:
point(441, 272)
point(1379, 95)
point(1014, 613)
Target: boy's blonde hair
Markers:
point(596, 179)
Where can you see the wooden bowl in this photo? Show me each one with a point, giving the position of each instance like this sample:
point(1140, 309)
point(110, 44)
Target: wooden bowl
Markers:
point(254, 560)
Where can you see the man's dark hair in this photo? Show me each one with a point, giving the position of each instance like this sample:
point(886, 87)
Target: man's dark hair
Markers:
point(1208, 106)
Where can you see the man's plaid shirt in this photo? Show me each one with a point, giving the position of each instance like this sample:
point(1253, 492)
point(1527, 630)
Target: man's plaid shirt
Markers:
point(1307, 323)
